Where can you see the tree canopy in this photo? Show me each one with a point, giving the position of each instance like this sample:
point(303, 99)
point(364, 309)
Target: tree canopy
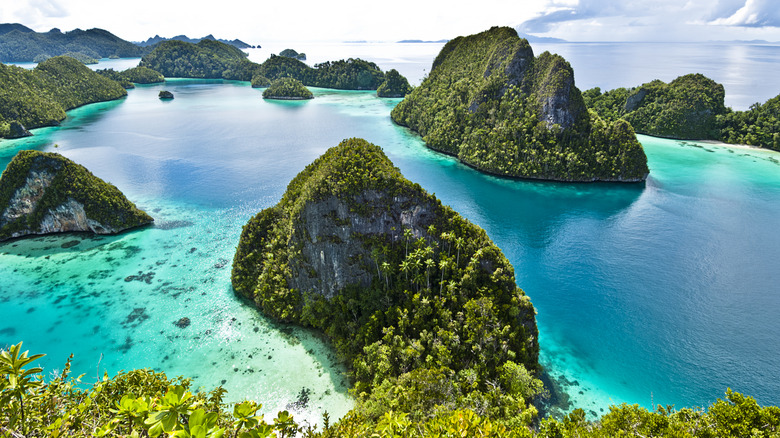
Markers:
point(499, 109)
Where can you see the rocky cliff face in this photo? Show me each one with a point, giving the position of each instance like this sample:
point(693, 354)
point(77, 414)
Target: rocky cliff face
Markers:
point(333, 238)
point(353, 245)
point(42, 193)
point(489, 101)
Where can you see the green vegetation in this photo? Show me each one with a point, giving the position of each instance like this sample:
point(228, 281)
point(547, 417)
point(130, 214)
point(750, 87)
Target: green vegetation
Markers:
point(394, 85)
point(21, 45)
point(758, 126)
point(686, 108)
point(207, 59)
point(690, 107)
point(426, 314)
point(260, 81)
point(352, 74)
point(290, 53)
point(287, 89)
point(40, 97)
point(138, 75)
point(147, 403)
point(80, 57)
point(165, 94)
point(498, 108)
point(214, 60)
point(67, 181)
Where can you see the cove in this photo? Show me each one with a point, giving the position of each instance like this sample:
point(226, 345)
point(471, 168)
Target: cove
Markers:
point(662, 291)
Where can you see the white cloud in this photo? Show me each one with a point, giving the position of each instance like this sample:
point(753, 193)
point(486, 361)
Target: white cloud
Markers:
point(659, 20)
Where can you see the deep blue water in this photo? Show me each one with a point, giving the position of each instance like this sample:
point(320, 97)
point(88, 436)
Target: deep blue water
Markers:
point(665, 290)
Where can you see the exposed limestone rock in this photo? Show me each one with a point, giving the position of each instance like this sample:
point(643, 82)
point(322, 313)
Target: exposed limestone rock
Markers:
point(42, 193)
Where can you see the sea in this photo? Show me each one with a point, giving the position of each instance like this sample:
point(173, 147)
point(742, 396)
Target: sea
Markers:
point(665, 292)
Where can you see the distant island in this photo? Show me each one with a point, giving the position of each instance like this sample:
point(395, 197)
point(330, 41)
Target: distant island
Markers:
point(214, 60)
point(158, 39)
point(19, 43)
point(290, 53)
point(287, 89)
point(490, 102)
point(691, 107)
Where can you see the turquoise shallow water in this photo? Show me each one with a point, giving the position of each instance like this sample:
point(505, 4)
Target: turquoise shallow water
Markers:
point(663, 291)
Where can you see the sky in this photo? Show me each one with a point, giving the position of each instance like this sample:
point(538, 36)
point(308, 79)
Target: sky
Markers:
point(256, 21)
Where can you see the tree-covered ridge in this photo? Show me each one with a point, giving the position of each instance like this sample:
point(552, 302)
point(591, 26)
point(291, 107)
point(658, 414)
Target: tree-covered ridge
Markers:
point(420, 303)
point(685, 108)
point(758, 126)
point(287, 89)
point(395, 85)
point(690, 107)
point(66, 182)
point(137, 75)
point(214, 60)
point(40, 97)
point(491, 103)
point(207, 59)
point(290, 53)
point(148, 403)
point(24, 46)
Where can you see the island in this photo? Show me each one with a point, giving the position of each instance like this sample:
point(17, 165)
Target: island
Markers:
point(165, 95)
point(40, 97)
point(287, 89)
point(19, 43)
point(410, 293)
point(43, 193)
point(136, 75)
point(210, 59)
point(394, 85)
point(496, 107)
point(290, 53)
point(691, 107)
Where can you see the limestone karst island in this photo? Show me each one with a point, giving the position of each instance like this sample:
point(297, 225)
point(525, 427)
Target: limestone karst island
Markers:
point(450, 240)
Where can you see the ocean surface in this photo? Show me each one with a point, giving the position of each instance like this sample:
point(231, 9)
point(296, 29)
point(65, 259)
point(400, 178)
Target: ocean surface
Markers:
point(664, 292)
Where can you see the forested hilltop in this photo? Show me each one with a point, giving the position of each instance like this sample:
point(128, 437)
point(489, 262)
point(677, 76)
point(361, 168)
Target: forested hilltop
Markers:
point(690, 107)
point(214, 60)
point(491, 103)
point(419, 302)
point(40, 97)
point(22, 44)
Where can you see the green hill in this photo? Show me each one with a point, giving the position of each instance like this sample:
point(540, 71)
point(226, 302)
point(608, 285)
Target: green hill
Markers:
point(42, 193)
point(40, 97)
point(207, 59)
point(490, 102)
point(20, 45)
point(287, 89)
point(685, 108)
point(413, 295)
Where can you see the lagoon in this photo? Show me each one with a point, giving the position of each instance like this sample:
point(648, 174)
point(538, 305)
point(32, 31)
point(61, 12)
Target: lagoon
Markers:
point(662, 292)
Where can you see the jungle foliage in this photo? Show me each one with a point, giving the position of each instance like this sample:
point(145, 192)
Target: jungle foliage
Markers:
point(290, 53)
point(690, 107)
point(758, 126)
point(148, 403)
point(498, 108)
point(288, 89)
point(207, 59)
point(685, 108)
point(102, 201)
point(19, 45)
point(214, 60)
point(442, 325)
point(40, 97)
point(137, 75)
point(395, 85)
